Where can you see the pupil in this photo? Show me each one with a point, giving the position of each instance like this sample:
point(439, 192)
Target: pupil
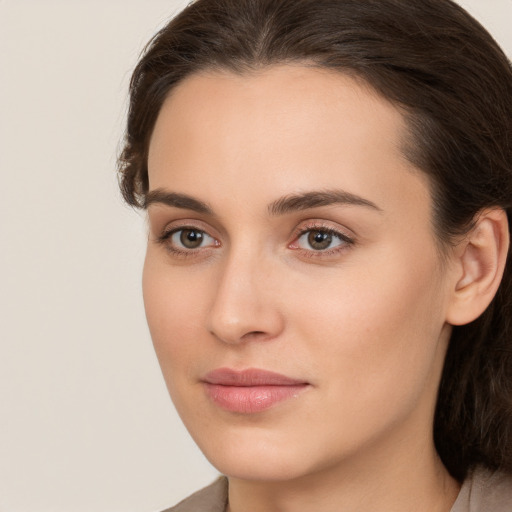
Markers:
point(319, 240)
point(191, 238)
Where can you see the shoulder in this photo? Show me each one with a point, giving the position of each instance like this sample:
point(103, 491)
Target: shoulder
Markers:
point(485, 491)
point(210, 499)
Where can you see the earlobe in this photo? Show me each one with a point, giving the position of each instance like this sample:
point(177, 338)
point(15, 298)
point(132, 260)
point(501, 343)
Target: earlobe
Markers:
point(480, 263)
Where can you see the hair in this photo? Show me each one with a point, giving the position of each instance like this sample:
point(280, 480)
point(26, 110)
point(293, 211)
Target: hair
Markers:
point(454, 86)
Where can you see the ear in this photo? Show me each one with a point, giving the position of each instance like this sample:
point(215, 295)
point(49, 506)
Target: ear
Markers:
point(479, 265)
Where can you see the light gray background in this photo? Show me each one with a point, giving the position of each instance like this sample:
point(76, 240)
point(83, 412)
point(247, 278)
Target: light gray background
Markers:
point(85, 421)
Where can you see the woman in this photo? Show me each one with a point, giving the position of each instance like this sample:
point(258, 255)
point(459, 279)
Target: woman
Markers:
point(328, 186)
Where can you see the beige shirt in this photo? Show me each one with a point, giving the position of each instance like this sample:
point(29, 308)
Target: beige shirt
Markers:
point(482, 491)
point(485, 491)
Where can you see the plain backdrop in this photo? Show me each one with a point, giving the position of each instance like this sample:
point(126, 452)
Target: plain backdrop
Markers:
point(85, 421)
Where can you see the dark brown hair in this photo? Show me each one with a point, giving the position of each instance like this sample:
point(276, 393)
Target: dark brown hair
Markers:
point(454, 86)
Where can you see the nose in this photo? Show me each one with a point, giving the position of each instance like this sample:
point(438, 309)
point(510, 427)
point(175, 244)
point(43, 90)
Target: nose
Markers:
point(245, 301)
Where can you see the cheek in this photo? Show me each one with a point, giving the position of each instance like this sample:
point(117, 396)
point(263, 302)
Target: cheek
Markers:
point(376, 330)
point(174, 307)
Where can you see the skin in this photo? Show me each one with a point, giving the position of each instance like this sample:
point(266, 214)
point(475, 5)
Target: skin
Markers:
point(363, 322)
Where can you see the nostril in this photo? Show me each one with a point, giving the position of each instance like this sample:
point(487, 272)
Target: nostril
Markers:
point(254, 334)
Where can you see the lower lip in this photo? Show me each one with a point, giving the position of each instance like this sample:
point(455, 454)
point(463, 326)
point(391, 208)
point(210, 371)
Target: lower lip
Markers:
point(251, 399)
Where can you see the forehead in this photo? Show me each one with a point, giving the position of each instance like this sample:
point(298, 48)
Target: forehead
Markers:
point(277, 129)
point(275, 102)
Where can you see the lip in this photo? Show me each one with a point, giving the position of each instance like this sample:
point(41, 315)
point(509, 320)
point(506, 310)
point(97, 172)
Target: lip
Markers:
point(250, 391)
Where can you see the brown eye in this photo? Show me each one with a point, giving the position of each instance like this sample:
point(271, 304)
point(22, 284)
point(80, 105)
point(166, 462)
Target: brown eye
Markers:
point(191, 238)
point(319, 240)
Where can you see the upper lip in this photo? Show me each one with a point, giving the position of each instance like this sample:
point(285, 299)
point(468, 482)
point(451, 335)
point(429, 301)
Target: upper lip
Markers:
point(249, 377)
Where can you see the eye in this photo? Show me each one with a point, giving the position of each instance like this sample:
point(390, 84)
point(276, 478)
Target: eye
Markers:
point(321, 240)
point(190, 238)
point(187, 241)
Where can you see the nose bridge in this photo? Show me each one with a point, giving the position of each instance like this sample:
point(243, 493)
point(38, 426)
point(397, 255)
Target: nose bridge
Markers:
point(242, 307)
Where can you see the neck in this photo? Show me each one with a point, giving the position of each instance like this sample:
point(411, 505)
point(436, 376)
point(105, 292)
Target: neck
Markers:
point(384, 479)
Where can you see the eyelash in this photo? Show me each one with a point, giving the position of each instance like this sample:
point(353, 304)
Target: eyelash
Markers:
point(345, 241)
point(165, 240)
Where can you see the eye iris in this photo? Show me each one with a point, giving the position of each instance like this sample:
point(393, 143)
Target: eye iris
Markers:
point(319, 240)
point(190, 238)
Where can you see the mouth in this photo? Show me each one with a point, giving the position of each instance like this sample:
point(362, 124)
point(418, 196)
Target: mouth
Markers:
point(250, 391)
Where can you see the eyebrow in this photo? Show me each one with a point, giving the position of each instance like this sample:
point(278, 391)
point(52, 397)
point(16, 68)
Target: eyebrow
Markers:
point(160, 196)
point(315, 199)
point(282, 206)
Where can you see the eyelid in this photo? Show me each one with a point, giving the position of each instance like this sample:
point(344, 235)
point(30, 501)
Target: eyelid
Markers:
point(314, 225)
point(163, 237)
point(183, 223)
point(204, 238)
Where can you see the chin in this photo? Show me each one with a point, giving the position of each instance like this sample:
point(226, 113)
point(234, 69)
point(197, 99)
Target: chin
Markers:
point(257, 455)
point(268, 467)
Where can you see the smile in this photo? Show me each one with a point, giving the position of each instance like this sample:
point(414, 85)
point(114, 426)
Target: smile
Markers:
point(250, 391)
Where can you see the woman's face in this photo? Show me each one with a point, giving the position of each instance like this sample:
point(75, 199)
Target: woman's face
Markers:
point(288, 234)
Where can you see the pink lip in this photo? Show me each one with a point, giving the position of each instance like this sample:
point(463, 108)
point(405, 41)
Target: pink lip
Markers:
point(250, 391)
